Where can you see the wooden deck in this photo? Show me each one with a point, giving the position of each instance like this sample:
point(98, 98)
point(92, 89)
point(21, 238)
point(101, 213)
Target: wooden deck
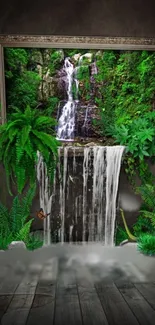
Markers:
point(56, 295)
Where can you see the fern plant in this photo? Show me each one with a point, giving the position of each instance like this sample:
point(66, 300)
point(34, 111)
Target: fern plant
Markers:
point(147, 192)
point(13, 223)
point(146, 244)
point(20, 139)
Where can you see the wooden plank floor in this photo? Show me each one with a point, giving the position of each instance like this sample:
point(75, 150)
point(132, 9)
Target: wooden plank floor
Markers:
point(54, 294)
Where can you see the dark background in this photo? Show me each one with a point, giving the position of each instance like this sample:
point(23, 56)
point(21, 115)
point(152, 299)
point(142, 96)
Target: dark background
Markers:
point(135, 18)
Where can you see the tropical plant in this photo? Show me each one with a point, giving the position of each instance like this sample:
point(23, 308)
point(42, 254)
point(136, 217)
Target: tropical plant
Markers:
point(146, 244)
point(146, 220)
point(22, 80)
point(21, 138)
point(143, 225)
point(147, 192)
point(51, 106)
point(121, 235)
point(13, 223)
point(34, 242)
point(138, 136)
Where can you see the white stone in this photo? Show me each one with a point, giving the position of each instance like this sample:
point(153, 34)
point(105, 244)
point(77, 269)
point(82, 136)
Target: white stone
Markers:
point(17, 244)
point(126, 243)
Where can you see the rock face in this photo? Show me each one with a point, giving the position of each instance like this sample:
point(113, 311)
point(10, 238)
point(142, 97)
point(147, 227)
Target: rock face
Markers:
point(85, 117)
point(17, 244)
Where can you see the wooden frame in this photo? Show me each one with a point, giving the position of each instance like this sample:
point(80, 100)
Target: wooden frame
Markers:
point(111, 43)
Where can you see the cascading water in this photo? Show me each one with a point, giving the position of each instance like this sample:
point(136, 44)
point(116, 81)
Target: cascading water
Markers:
point(89, 209)
point(99, 174)
point(66, 122)
point(45, 197)
point(83, 200)
point(114, 157)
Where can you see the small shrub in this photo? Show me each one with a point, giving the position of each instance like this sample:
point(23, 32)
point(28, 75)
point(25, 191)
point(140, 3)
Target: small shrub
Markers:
point(146, 244)
point(5, 241)
point(143, 225)
point(34, 242)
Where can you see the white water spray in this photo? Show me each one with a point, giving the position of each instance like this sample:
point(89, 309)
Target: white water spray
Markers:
point(114, 157)
point(45, 197)
point(66, 123)
point(99, 170)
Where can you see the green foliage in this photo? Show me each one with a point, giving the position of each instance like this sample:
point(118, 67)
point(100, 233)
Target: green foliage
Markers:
point(143, 225)
point(138, 136)
point(147, 192)
point(72, 52)
point(120, 235)
point(13, 223)
point(52, 106)
point(146, 244)
point(83, 76)
point(5, 240)
point(146, 221)
point(24, 232)
point(15, 58)
point(126, 98)
point(21, 82)
point(24, 90)
point(20, 139)
point(55, 61)
point(34, 242)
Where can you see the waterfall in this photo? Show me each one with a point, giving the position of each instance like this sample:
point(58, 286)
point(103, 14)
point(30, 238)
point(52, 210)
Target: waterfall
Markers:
point(86, 180)
point(66, 122)
point(87, 153)
point(76, 82)
point(45, 197)
point(91, 205)
point(114, 157)
point(65, 165)
point(99, 174)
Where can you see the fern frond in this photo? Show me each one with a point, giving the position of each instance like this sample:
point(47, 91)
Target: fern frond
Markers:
point(150, 215)
point(27, 202)
point(44, 121)
point(147, 193)
point(15, 215)
point(24, 231)
point(4, 222)
point(46, 139)
point(25, 134)
point(21, 178)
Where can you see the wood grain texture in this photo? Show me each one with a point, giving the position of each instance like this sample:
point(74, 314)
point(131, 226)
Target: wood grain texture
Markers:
point(116, 309)
point(58, 294)
point(140, 307)
point(19, 307)
point(42, 311)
